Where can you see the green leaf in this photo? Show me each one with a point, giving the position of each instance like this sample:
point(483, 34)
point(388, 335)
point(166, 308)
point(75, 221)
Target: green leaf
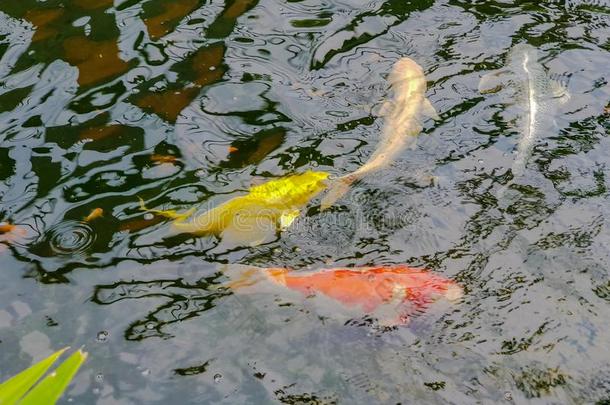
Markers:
point(14, 388)
point(53, 385)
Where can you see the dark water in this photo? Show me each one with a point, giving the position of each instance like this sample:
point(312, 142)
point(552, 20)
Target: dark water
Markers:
point(184, 102)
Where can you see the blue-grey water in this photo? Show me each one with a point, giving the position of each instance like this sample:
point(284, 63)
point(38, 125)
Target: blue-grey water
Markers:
point(186, 102)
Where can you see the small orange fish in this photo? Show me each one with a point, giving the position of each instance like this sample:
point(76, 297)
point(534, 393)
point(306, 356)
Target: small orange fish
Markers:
point(5, 228)
point(233, 149)
point(401, 290)
point(163, 158)
point(9, 233)
point(95, 213)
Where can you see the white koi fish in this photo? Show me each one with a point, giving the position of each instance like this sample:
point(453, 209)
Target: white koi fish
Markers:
point(534, 93)
point(402, 125)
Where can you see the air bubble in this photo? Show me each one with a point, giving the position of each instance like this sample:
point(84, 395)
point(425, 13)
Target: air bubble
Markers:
point(102, 336)
point(217, 378)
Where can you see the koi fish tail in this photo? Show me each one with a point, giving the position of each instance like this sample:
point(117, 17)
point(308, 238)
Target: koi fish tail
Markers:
point(242, 278)
point(336, 190)
point(172, 214)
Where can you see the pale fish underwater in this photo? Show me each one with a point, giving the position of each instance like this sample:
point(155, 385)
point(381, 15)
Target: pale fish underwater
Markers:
point(256, 217)
point(402, 125)
point(534, 95)
point(389, 294)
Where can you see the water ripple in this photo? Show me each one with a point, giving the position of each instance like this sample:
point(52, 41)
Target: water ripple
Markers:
point(69, 237)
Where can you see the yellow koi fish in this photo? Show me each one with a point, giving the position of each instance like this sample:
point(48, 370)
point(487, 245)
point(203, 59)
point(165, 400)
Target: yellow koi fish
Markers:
point(402, 124)
point(252, 218)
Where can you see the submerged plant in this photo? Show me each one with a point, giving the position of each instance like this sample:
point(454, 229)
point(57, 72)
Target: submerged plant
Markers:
point(24, 388)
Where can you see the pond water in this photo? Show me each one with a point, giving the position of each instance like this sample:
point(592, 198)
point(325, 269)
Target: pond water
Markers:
point(187, 103)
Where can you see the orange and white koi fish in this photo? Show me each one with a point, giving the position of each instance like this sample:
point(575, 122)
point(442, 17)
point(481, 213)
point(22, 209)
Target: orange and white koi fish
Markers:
point(392, 294)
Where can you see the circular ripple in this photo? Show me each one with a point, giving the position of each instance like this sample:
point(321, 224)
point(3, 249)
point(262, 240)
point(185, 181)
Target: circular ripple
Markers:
point(70, 237)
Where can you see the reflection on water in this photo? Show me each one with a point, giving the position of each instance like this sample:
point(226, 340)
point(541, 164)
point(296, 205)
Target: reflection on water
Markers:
point(189, 103)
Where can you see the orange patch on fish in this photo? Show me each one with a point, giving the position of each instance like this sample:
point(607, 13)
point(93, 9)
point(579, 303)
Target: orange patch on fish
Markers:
point(232, 149)
point(95, 213)
point(368, 289)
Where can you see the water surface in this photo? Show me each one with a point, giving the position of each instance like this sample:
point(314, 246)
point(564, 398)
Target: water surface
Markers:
point(187, 102)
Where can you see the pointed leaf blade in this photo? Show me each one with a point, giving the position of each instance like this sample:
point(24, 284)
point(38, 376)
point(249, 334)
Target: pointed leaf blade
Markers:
point(53, 385)
point(14, 388)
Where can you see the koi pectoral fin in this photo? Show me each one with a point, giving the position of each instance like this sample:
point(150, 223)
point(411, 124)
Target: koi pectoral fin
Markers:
point(287, 218)
point(428, 110)
point(493, 82)
point(172, 214)
point(559, 92)
point(249, 231)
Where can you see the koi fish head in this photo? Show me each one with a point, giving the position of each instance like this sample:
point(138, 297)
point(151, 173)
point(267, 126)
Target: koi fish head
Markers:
point(406, 69)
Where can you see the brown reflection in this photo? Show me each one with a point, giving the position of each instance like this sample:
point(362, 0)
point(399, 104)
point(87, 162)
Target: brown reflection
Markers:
point(95, 60)
point(237, 8)
point(173, 13)
point(40, 18)
point(102, 132)
point(105, 136)
point(206, 65)
point(203, 67)
point(169, 103)
point(93, 4)
point(157, 158)
point(138, 224)
point(225, 22)
point(255, 149)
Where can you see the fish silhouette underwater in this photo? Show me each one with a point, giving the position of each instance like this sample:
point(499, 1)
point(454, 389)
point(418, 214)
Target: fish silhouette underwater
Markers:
point(255, 217)
point(530, 91)
point(389, 294)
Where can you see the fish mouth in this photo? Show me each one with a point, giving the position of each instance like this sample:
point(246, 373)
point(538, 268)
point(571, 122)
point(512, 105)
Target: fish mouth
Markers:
point(454, 292)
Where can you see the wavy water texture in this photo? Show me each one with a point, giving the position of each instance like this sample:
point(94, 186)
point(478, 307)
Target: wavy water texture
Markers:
point(188, 103)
